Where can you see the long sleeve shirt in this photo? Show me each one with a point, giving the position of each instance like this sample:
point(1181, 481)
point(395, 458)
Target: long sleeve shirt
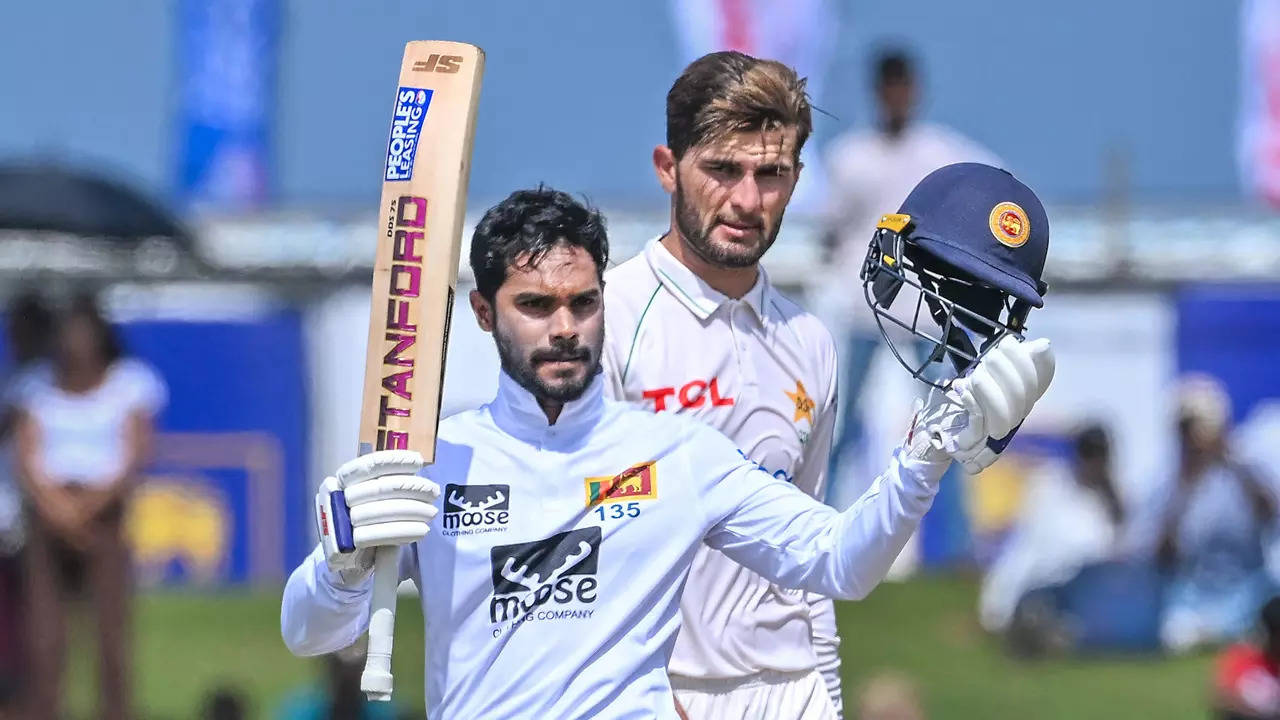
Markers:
point(551, 580)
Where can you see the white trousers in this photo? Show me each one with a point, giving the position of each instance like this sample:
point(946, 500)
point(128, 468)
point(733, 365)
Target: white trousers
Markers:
point(769, 696)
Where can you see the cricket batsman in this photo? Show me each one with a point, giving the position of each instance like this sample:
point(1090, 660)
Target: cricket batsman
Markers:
point(694, 327)
point(552, 537)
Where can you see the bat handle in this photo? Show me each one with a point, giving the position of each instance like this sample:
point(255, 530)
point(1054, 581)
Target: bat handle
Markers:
point(376, 680)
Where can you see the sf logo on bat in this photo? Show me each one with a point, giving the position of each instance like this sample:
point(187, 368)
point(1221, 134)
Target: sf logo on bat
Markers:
point(475, 509)
point(438, 63)
point(558, 570)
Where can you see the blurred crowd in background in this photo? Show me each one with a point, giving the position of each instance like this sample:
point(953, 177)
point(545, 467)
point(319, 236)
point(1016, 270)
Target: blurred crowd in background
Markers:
point(183, 355)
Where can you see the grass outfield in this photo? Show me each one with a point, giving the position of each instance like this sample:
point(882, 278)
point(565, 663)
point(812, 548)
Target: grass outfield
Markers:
point(189, 643)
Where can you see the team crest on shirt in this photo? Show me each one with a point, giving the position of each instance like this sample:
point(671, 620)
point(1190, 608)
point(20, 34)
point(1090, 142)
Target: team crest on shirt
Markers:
point(638, 482)
point(804, 404)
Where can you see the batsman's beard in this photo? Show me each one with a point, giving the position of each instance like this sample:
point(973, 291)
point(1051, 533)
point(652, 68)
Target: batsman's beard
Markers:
point(523, 368)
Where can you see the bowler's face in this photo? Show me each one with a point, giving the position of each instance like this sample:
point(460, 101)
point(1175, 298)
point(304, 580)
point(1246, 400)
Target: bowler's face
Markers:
point(731, 194)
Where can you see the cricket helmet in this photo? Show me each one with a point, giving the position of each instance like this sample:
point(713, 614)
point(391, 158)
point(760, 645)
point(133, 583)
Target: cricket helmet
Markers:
point(970, 242)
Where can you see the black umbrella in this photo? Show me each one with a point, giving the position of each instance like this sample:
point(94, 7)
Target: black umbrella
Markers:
point(70, 201)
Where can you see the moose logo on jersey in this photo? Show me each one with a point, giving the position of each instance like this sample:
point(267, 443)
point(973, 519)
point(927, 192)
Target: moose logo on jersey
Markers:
point(475, 509)
point(638, 482)
point(560, 569)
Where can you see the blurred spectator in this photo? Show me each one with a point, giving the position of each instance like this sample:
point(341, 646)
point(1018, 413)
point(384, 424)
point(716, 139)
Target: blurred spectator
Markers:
point(83, 433)
point(225, 703)
point(1246, 683)
point(872, 171)
point(338, 697)
point(1064, 582)
point(1071, 517)
point(889, 697)
point(1209, 523)
point(30, 325)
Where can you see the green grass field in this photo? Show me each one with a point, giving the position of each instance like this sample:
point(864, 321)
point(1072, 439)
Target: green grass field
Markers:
point(925, 629)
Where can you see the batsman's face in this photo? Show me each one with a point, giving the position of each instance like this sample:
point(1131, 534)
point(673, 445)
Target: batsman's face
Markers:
point(548, 323)
point(730, 195)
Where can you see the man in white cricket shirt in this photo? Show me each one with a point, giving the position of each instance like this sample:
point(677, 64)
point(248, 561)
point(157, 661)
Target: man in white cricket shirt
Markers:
point(694, 327)
point(551, 585)
point(872, 170)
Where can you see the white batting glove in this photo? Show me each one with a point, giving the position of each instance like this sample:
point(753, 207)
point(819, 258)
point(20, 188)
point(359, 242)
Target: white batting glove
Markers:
point(974, 420)
point(375, 499)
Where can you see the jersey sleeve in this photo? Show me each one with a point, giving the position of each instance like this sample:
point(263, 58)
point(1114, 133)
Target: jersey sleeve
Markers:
point(769, 526)
point(320, 614)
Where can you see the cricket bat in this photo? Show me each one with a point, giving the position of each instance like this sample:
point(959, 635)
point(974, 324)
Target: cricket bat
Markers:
point(424, 199)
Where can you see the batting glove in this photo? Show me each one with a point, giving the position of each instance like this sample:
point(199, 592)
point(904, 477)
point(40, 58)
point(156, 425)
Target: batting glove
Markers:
point(375, 499)
point(977, 416)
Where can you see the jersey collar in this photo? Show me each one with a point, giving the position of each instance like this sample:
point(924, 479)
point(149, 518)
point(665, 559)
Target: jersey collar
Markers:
point(517, 413)
point(693, 292)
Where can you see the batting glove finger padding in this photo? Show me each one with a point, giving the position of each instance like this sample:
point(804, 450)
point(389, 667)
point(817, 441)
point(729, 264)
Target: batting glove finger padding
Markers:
point(975, 419)
point(373, 500)
point(390, 510)
point(378, 464)
point(392, 487)
point(390, 533)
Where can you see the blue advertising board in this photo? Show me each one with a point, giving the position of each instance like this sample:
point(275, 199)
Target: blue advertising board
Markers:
point(223, 496)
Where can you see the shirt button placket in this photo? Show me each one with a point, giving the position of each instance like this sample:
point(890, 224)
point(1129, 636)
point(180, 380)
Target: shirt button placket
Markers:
point(741, 324)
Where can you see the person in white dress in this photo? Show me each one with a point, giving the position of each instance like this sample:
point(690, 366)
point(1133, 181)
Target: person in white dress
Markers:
point(83, 434)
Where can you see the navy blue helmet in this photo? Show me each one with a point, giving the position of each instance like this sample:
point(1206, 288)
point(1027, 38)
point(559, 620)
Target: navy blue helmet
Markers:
point(970, 240)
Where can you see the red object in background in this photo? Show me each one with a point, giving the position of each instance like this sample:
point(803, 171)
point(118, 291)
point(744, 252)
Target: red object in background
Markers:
point(1248, 680)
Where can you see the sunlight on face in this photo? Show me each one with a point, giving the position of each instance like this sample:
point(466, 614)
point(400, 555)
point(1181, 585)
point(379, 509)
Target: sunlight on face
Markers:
point(549, 323)
point(731, 194)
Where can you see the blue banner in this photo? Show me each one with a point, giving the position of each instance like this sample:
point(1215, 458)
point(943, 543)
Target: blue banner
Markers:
point(227, 72)
point(224, 498)
point(1232, 332)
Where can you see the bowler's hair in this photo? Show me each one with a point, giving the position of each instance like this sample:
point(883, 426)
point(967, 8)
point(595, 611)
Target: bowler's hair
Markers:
point(521, 230)
point(728, 92)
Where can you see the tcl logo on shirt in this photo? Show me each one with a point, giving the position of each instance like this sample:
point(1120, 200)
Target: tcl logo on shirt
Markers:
point(692, 394)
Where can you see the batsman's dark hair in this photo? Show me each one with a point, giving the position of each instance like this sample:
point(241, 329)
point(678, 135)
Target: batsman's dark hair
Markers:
point(521, 230)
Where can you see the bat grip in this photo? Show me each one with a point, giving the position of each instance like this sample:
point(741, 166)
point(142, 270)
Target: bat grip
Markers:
point(376, 680)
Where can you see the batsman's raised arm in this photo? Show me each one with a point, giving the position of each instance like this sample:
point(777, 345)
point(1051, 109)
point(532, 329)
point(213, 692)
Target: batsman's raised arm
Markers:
point(767, 525)
point(374, 500)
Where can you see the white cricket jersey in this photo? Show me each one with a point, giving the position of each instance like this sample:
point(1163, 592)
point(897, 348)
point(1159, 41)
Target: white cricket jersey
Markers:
point(551, 579)
point(762, 371)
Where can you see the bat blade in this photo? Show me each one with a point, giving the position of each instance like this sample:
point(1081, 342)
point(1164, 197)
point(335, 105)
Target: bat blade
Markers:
point(424, 197)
